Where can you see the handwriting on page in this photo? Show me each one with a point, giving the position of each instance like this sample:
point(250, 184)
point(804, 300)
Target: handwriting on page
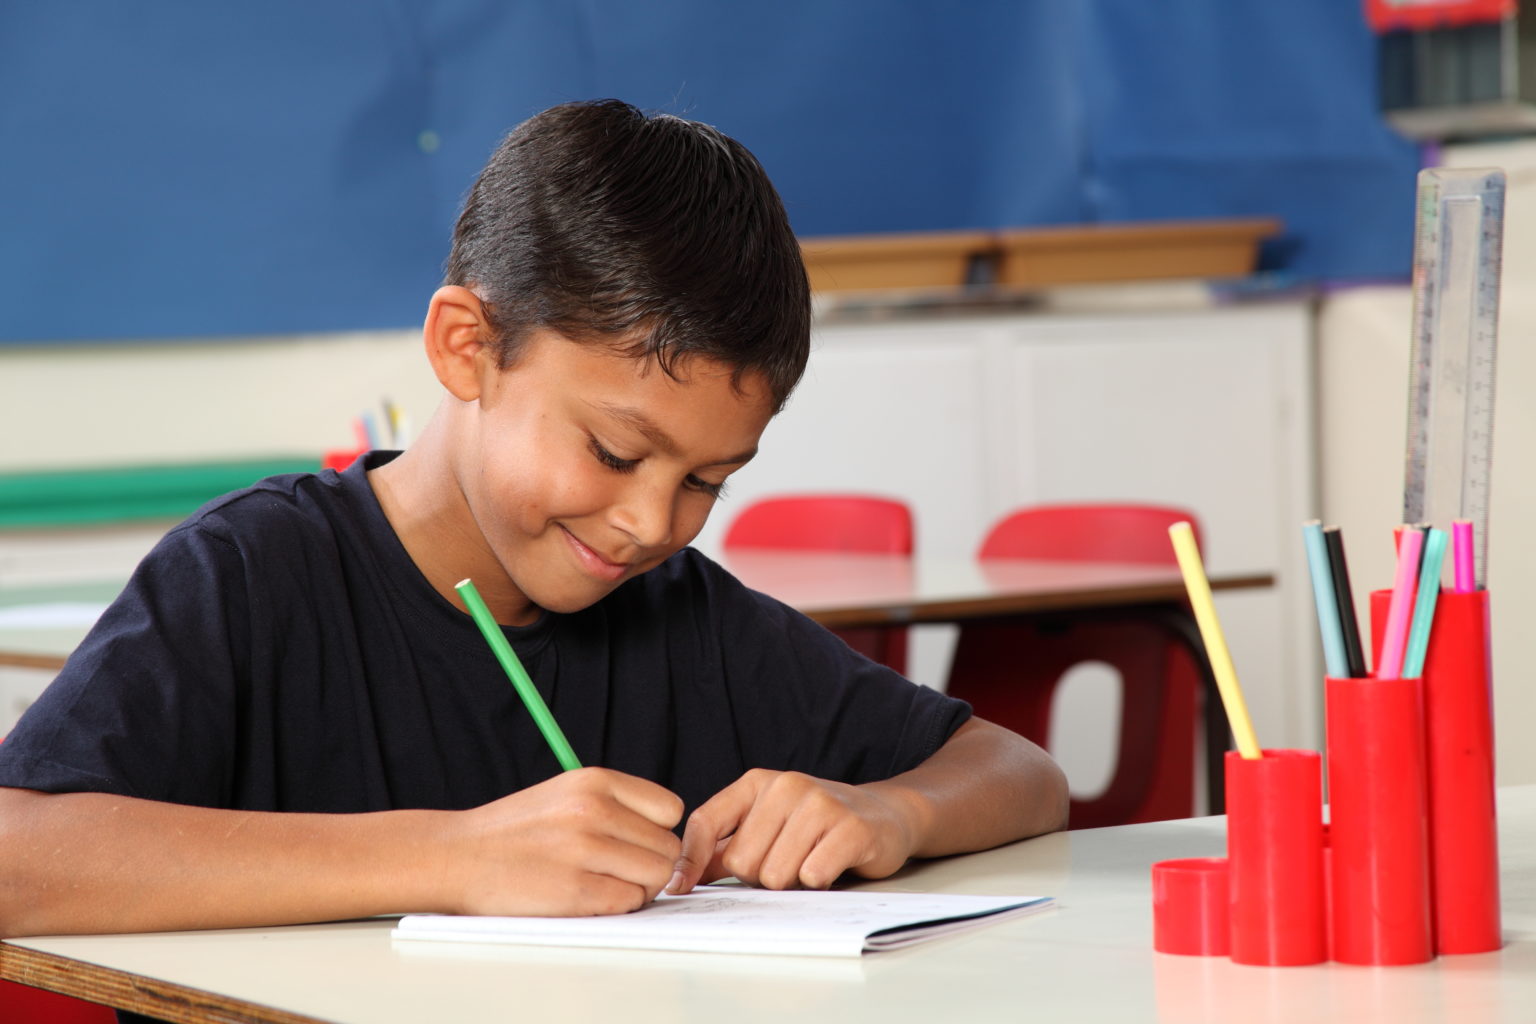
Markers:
point(744, 909)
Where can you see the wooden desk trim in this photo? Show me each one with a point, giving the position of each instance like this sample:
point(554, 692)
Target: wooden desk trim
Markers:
point(121, 990)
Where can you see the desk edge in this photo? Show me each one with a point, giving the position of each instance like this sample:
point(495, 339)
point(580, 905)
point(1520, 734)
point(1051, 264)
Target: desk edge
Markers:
point(123, 990)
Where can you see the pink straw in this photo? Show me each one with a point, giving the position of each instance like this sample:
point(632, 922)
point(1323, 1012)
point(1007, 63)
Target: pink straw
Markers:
point(1462, 557)
point(1400, 610)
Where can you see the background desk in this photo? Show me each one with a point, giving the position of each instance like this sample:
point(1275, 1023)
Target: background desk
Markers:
point(846, 590)
point(1091, 959)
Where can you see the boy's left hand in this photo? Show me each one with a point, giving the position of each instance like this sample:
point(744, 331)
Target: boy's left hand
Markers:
point(780, 830)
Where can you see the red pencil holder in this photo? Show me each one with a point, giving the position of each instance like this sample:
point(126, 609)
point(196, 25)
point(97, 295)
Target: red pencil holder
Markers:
point(1458, 736)
point(1379, 827)
point(1190, 906)
point(1275, 851)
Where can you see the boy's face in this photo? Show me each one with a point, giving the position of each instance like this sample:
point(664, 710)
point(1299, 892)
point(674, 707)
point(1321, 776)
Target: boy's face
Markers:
point(584, 467)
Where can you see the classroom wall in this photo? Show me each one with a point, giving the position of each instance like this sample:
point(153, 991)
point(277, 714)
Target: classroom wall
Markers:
point(296, 165)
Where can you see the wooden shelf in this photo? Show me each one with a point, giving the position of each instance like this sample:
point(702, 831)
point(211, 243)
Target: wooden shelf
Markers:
point(1132, 252)
point(1037, 257)
point(939, 259)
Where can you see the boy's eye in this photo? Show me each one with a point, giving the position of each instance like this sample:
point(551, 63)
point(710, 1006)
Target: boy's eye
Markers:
point(715, 491)
point(611, 460)
point(620, 465)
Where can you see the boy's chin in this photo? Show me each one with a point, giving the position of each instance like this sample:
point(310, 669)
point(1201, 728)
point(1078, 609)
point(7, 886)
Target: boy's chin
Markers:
point(567, 602)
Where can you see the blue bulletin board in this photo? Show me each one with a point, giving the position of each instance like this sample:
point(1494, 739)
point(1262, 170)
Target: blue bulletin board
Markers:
point(173, 169)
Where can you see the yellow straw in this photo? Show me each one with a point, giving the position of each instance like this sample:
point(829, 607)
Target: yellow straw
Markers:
point(1183, 536)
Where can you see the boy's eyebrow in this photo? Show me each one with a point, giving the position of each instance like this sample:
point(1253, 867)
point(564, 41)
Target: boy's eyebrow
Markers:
point(645, 427)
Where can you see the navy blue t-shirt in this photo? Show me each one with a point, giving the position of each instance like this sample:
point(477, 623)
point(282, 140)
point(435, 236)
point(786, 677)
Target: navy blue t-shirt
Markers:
point(280, 651)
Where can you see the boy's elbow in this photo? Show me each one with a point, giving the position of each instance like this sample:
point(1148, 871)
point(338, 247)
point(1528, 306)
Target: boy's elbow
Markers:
point(12, 886)
point(1050, 797)
point(28, 873)
point(1056, 796)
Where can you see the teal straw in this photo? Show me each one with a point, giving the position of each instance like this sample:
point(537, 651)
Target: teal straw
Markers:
point(1328, 622)
point(519, 675)
point(1424, 605)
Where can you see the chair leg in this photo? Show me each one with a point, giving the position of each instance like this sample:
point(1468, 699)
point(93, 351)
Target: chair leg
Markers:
point(1181, 624)
point(887, 645)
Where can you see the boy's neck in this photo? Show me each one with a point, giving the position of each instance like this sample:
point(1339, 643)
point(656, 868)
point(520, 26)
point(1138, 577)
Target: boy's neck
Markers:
point(425, 507)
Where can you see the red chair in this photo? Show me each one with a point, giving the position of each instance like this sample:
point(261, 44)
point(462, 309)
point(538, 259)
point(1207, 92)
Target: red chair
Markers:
point(834, 522)
point(1009, 670)
point(22, 1004)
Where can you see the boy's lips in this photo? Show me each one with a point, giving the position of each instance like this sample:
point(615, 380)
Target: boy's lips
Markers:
point(594, 563)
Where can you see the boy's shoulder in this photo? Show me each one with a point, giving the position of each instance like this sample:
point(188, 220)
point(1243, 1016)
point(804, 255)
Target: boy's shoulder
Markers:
point(286, 509)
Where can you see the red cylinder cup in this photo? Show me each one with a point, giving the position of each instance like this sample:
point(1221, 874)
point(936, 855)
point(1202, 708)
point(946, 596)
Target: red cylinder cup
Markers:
point(1190, 899)
point(1458, 736)
point(1379, 822)
point(1275, 850)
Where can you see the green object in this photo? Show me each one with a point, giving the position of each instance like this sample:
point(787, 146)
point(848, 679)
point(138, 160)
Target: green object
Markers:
point(98, 496)
point(519, 675)
point(1424, 606)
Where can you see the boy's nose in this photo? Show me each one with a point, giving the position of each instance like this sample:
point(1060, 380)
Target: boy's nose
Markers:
point(645, 513)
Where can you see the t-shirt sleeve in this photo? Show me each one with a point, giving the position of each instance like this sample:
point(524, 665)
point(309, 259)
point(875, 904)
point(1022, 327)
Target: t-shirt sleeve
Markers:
point(143, 706)
point(805, 701)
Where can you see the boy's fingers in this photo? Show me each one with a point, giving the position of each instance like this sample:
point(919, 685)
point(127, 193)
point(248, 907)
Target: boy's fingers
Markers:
point(716, 868)
point(637, 831)
point(712, 822)
point(657, 804)
point(781, 865)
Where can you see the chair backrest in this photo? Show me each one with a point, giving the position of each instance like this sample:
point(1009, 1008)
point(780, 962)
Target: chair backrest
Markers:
point(824, 522)
point(1088, 533)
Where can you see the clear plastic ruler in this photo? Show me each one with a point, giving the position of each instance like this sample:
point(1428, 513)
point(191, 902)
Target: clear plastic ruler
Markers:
point(1458, 253)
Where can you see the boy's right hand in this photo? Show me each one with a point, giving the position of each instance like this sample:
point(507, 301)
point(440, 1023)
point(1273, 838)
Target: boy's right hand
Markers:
point(589, 841)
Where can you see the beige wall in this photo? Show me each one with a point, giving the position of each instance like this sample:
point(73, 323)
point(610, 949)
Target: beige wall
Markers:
point(101, 405)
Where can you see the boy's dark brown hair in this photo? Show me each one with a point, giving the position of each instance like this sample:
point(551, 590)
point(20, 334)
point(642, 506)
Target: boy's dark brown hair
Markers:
point(660, 233)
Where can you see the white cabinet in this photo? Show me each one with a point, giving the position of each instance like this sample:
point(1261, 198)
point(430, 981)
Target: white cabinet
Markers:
point(969, 416)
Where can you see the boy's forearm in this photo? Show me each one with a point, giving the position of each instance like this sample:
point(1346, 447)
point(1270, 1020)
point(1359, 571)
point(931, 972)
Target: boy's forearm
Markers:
point(986, 786)
point(91, 862)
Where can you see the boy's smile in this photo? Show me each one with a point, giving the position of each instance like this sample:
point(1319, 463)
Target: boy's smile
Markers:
point(571, 471)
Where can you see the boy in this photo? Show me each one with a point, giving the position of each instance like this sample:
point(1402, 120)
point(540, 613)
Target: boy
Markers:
point(287, 716)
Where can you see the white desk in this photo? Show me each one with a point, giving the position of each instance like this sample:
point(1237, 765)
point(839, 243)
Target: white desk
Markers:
point(1090, 959)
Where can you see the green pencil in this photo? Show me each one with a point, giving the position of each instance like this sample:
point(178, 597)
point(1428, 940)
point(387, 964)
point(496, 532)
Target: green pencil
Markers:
point(519, 676)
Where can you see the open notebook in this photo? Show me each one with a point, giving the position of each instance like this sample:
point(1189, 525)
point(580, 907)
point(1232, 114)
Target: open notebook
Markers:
point(731, 919)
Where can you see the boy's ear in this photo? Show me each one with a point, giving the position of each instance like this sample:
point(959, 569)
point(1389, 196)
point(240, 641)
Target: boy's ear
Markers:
point(456, 334)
